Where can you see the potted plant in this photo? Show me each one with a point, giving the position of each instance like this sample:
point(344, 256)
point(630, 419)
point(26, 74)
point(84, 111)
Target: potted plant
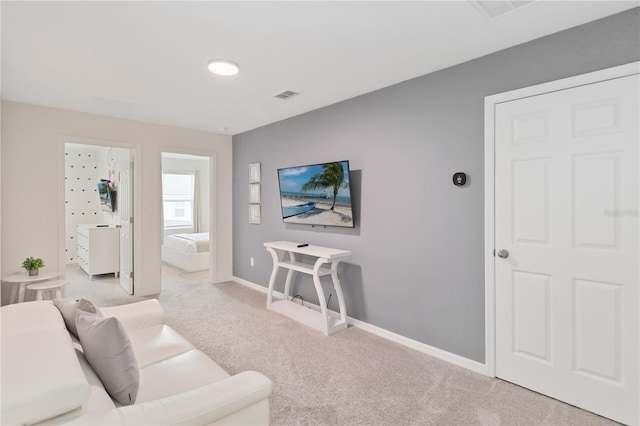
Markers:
point(32, 265)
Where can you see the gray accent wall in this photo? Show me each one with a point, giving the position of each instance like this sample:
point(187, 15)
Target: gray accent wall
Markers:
point(417, 267)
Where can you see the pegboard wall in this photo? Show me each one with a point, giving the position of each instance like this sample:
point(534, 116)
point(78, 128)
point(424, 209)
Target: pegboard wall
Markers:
point(83, 170)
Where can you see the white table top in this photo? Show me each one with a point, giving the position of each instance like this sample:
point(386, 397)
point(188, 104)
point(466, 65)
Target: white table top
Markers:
point(48, 285)
point(318, 251)
point(24, 277)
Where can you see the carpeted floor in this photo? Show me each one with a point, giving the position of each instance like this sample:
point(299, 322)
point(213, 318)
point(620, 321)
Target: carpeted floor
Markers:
point(349, 378)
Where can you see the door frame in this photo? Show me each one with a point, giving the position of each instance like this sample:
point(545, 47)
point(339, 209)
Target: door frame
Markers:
point(490, 104)
point(136, 205)
point(213, 202)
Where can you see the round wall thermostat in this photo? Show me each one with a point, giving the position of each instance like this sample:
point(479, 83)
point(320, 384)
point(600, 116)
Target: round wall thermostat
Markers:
point(459, 179)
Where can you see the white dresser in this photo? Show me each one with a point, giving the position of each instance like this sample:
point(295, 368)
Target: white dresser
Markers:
point(99, 249)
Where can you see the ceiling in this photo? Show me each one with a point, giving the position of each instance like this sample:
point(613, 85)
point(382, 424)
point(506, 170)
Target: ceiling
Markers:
point(147, 60)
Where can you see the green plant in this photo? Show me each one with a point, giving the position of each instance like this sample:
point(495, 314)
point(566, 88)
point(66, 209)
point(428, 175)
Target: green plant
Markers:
point(30, 263)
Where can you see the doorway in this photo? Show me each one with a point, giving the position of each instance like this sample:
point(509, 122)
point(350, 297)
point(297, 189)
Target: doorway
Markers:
point(187, 221)
point(98, 233)
point(562, 234)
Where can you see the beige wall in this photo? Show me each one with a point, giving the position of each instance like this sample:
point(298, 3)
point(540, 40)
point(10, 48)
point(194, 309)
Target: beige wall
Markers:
point(32, 172)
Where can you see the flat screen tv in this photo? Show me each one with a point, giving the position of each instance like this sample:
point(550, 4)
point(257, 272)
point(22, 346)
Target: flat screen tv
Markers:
point(317, 194)
point(107, 196)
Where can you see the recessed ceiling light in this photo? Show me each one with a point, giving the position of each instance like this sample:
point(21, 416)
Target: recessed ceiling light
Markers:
point(223, 67)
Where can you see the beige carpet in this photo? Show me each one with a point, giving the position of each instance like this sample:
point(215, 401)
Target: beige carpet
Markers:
point(349, 378)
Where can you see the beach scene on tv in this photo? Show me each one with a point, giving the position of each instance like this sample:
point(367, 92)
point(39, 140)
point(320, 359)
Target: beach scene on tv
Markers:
point(316, 195)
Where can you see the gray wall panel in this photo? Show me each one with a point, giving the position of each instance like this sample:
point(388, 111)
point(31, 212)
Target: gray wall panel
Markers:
point(418, 247)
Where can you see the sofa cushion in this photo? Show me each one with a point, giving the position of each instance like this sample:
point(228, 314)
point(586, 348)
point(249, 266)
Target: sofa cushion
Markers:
point(99, 400)
point(155, 344)
point(108, 350)
point(40, 375)
point(138, 315)
point(178, 374)
point(30, 316)
point(68, 308)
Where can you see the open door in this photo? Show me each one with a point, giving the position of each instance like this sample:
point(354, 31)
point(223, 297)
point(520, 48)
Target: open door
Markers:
point(125, 216)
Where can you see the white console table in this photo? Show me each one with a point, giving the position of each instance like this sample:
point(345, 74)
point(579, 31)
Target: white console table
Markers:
point(284, 256)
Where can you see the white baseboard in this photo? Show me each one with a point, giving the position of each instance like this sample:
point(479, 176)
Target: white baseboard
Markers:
point(458, 360)
point(249, 284)
point(452, 358)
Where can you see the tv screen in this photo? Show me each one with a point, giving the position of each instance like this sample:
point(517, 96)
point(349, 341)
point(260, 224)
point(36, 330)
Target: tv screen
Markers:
point(317, 194)
point(107, 196)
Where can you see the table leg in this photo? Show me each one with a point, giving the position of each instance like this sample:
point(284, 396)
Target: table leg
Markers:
point(21, 292)
point(291, 274)
point(274, 272)
point(287, 283)
point(339, 294)
point(13, 297)
point(321, 299)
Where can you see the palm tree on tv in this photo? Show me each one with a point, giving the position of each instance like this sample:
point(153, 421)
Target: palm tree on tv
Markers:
point(331, 177)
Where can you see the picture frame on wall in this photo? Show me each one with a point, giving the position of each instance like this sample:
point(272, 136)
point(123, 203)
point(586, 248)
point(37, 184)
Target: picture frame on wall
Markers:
point(254, 213)
point(254, 193)
point(254, 172)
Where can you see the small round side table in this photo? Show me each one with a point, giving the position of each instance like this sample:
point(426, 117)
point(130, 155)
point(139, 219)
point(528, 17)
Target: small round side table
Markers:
point(23, 278)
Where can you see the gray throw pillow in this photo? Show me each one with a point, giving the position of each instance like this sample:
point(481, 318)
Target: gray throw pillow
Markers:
point(68, 308)
point(108, 349)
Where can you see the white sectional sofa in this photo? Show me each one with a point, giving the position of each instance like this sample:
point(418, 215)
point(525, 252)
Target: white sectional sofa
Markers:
point(46, 378)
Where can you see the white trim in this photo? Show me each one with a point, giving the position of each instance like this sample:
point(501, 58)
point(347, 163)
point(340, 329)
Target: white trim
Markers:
point(212, 156)
point(489, 238)
point(566, 83)
point(135, 150)
point(389, 335)
point(452, 358)
point(489, 180)
point(254, 286)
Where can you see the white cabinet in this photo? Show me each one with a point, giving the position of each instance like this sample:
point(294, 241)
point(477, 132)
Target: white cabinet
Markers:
point(99, 249)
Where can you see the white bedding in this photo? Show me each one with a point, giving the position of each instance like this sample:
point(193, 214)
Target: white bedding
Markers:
point(188, 243)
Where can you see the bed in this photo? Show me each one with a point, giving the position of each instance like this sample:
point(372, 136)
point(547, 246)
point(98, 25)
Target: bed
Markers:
point(189, 252)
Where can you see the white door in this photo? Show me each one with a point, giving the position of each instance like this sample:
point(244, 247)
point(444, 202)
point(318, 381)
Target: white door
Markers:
point(566, 233)
point(124, 199)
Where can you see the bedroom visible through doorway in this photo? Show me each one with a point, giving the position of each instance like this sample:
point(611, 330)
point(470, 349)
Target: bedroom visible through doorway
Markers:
point(186, 214)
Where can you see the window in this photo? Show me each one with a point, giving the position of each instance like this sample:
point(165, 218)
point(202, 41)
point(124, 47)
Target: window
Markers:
point(177, 199)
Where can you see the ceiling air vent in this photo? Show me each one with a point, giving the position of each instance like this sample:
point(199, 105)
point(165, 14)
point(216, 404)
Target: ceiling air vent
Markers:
point(494, 8)
point(286, 94)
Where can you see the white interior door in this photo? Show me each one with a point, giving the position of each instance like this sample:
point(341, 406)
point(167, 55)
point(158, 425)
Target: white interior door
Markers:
point(124, 203)
point(566, 233)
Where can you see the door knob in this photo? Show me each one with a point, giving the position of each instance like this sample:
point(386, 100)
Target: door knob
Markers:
point(503, 254)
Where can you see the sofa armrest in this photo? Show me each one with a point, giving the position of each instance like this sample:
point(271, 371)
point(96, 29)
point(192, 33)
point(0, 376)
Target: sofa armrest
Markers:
point(137, 316)
point(239, 399)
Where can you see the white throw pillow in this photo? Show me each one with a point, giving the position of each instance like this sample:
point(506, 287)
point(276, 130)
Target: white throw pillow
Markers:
point(68, 308)
point(108, 349)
